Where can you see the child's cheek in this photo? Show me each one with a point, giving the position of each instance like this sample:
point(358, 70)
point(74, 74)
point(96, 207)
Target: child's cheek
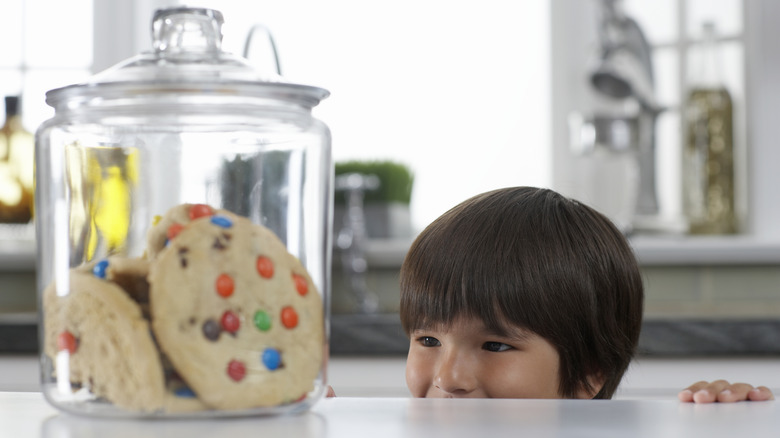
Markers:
point(418, 373)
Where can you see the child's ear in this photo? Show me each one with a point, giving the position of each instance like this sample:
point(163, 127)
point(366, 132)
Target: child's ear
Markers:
point(595, 383)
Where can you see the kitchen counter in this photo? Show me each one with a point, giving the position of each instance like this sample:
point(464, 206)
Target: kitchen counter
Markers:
point(25, 415)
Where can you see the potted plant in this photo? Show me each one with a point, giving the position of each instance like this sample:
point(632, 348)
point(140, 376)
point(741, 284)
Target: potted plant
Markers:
point(386, 206)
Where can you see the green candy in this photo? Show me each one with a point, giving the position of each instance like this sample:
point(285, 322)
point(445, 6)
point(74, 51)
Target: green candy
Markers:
point(262, 320)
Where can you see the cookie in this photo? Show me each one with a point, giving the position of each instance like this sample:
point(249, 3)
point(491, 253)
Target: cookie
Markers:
point(106, 340)
point(236, 314)
point(167, 226)
point(127, 273)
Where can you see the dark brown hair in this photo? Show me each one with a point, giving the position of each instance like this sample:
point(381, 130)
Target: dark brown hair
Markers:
point(533, 259)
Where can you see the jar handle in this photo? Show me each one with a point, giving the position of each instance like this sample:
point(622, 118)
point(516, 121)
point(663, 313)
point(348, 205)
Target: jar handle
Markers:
point(271, 41)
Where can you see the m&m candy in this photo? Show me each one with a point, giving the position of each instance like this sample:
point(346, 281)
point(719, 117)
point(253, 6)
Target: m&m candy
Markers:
point(221, 221)
point(262, 320)
point(200, 210)
point(236, 370)
point(265, 267)
point(224, 285)
point(67, 342)
point(100, 269)
point(300, 284)
point(272, 359)
point(289, 317)
point(230, 321)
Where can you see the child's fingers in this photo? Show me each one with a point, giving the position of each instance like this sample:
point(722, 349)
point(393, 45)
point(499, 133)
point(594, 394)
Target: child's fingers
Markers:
point(762, 393)
point(709, 393)
point(686, 395)
point(723, 392)
point(703, 392)
point(735, 392)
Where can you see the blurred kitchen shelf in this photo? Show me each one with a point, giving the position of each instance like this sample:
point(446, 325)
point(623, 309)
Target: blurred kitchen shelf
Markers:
point(19, 332)
point(656, 250)
point(651, 250)
point(17, 255)
point(387, 253)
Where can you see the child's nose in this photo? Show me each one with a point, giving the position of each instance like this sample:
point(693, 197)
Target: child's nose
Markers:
point(455, 374)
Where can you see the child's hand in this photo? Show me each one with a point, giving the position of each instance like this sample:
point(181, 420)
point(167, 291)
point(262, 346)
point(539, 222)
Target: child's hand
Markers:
point(331, 392)
point(723, 392)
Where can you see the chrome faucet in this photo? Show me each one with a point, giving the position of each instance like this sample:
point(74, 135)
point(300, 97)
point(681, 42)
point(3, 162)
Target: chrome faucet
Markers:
point(625, 69)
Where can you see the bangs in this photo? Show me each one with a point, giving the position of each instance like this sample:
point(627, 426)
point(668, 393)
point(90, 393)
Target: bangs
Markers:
point(454, 271)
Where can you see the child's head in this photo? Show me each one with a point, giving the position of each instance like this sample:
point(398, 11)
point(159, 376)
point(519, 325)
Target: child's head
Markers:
point(523, 263)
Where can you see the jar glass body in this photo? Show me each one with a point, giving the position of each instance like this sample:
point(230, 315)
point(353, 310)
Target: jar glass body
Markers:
point(107, 173)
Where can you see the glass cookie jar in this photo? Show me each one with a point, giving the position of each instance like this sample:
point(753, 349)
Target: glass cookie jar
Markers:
point(184, 206)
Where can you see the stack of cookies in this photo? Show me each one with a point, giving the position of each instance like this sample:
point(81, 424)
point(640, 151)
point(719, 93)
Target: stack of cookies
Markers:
point(216, 315)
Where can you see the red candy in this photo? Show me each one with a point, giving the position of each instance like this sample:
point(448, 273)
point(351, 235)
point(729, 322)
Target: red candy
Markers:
point(173, 231)
point(230, 322)
point(236, 370)
point(289, 317)
point(300, 284)
point(224, 285)
point(200, 210)
point(66, 341)
point(265, 267)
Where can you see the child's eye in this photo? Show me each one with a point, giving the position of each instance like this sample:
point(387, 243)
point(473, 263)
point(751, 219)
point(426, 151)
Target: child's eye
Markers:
point(496, 346)
point(428, 341)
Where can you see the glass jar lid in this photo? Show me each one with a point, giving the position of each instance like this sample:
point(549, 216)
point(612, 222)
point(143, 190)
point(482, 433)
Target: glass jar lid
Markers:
point(187, 58)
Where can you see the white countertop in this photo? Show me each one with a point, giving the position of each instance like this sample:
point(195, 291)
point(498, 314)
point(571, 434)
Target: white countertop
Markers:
point(27, 414)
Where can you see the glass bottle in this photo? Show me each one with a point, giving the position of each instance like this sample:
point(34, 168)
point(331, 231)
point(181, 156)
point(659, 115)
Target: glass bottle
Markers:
point(708, 156)
point(16, 166)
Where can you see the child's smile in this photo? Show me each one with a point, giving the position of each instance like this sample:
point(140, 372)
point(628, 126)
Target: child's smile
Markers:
point(466, 359)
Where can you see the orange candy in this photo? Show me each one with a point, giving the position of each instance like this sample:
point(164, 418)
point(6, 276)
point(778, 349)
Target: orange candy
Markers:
point(300, 284)
point(200, 210)
point(174, 230)
point(66, 341)
point(265, 267)
point(289, 317)
point(224, 285)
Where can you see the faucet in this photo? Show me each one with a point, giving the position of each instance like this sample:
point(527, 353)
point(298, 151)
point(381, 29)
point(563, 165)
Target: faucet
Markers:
point(625, 70)
point(351, 239)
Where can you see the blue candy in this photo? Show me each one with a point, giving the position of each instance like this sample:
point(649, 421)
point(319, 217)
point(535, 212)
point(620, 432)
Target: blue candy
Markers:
point(185, 393)
point(272, 359)
point(100, 269)
point(221, 221)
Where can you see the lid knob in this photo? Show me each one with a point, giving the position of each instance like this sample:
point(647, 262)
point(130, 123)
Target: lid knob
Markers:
point(184, 30)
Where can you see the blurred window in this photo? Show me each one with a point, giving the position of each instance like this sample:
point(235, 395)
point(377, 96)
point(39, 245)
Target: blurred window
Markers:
point(45, 44)
point(674, 30)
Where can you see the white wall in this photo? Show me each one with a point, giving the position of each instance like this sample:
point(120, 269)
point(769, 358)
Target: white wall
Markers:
point(763, 80)
point(457, 89)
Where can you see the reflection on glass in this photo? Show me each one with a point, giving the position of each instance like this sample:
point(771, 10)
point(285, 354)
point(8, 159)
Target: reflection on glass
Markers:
point(101, 181)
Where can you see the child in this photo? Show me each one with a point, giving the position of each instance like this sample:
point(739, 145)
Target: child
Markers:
point(523, 293)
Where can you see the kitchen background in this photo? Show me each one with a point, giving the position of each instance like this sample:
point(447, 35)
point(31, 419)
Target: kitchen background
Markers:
point(472, 96)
